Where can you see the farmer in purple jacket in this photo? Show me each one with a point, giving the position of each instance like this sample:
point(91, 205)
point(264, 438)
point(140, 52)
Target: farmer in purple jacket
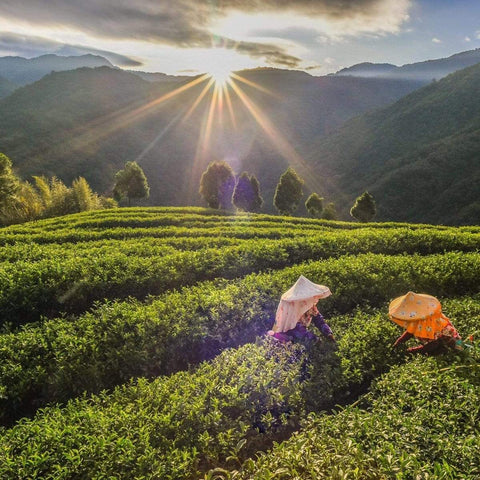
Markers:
point(297, 309)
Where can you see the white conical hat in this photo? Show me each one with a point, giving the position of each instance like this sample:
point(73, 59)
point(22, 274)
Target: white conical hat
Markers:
point(296, 301)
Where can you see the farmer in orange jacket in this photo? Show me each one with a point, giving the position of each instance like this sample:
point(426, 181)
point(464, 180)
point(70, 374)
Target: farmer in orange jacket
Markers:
point(421, 316)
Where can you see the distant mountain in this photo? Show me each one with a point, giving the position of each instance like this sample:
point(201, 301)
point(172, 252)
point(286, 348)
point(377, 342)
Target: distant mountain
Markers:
point(418, 157)
point(91, 121)
point(367, 70)
point(22, 71)
point(159, 77)
point(421, 71)
point(6, 87)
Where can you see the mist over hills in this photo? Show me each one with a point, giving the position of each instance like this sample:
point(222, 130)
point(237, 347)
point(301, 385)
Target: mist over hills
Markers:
point(420, 71)
point(6, 87)
point(419, 157)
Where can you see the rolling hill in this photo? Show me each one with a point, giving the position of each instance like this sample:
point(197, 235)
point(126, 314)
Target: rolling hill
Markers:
point(418, 157)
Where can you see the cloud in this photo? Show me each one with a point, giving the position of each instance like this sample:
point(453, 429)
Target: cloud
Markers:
point(188, 23)
point(31, 46)
point(436, 40)
point(467, 39)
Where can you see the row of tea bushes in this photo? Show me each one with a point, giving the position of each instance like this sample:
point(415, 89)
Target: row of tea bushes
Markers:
point(140, 247)
point(171, 428)
point(61, 282)
point(420, 421)
point(63, 357)
point(234, 406)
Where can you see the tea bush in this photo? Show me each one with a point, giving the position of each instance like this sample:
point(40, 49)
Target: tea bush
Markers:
point(419, 421)
point(173, 427)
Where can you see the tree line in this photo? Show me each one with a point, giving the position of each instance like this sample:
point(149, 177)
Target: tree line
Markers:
point(222, 190)
point(23, 201)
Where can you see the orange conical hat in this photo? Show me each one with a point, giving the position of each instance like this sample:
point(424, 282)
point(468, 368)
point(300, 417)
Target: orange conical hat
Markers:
point(296, 301)
point(414, 306)
point(419, 314)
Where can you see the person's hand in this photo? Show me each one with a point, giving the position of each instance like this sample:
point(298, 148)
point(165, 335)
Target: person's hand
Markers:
point(331, 338)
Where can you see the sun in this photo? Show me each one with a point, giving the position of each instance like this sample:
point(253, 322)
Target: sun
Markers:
point(220, 74)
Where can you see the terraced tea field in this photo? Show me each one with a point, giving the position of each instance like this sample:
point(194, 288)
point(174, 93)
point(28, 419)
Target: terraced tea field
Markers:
point(133, 346)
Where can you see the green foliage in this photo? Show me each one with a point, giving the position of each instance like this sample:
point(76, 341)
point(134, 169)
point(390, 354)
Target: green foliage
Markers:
point(217, 185)
point(364, 208)
point(288, 192)
point(170, 428)
point(419, 421)
point(257, 202)
point(246, 195)
point(131, 183)
point(124, 339)
point(314, 205)
point(51, 198)
point(8, 181)
point(329, 212)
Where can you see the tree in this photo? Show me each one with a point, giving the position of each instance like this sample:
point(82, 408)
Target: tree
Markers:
point(329, 212)
point(9, 183)
point(131, 183)
point(364, 208)
point(246, 195)
point(288, 192)
point(314, 205)
point(257, 200)
point(217, 184)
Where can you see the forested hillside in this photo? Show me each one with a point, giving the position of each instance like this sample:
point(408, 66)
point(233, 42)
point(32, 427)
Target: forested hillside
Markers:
point(418, 157)
point(89, 122)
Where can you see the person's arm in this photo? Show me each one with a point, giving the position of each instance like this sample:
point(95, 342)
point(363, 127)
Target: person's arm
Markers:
point(430, 347)
point(403, 338)
point(323, 326)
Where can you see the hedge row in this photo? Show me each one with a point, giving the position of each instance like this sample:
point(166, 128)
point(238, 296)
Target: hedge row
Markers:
point(65, 283)
point(419, 422)
point(142, 247)
point(223, 412)
point(61, 358)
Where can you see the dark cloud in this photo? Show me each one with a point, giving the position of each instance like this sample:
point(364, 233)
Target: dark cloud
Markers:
point(31, 46)
point(181, 23)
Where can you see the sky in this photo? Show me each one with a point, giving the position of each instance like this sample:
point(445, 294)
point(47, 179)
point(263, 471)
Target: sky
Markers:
point(197, 36)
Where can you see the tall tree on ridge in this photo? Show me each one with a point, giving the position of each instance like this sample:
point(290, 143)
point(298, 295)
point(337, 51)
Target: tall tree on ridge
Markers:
point(9, 183)
point(131, 183)
point(246, 195)
point(217, 184)
point(314, 205)
point(364, 208)
point(288, 192)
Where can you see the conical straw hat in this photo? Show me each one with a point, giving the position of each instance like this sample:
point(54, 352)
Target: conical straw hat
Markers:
point(304, 289)
point(414, 306)
point(419, 314)
point(296, 301)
